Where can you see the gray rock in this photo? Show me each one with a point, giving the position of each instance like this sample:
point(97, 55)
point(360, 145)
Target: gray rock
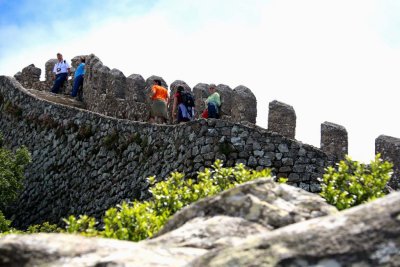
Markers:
point(245, 107)
point(260, 223)
point(49, 69)
point(201, 93)
point(367, 235)
point(209, 232)
point(389, 148)
point(218, 222)
point(75, 61)
point(28, 76)
point(76, 251)
point(226, 94)
point(282, 119)
point(136, 88)
point(262, 201)
point(334, 140)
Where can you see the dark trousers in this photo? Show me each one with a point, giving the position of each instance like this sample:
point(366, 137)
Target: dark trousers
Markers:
point(78, 82)
point(212, 111)
point(60, 79)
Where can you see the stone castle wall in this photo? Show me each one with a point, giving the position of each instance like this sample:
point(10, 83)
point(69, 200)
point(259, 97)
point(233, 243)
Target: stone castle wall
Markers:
point(334, 138)
point(85, 162)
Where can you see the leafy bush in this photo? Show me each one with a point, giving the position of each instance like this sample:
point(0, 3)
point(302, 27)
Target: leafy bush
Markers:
point(45, 227)
point(354, 183)
point(4, 223)
point(11, 173)
point(139, 220)
point(85, 225)
point(11, 178)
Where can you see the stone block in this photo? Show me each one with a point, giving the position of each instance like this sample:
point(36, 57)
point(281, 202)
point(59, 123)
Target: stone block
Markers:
point(334, 140)
point(389, 148)
point(245, 107)
point(282, 119)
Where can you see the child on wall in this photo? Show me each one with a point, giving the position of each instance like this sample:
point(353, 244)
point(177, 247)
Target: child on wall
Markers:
point(78, 77)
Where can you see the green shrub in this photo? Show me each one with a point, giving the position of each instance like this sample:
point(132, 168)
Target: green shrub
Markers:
point(11, 178)
point(354, 183)
point(45, 227)
point(139, 220)
point(12, 173)
point(85, 225)
point(4, 223)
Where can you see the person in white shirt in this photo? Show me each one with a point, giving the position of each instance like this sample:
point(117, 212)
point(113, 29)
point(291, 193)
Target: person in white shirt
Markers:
point(61, 70)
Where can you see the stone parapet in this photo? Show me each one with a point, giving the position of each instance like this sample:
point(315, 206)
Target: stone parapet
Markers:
point(200, 92)
point(244, 105)
point(110, 93)
point(282, 119)
point(334, 140)
point(389, 148)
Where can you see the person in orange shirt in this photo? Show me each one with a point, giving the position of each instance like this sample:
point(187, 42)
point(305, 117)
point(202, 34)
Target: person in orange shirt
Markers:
point(159, 99)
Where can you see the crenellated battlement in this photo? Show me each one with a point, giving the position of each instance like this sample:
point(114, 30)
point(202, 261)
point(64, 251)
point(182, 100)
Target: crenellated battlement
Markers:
point(109, 92)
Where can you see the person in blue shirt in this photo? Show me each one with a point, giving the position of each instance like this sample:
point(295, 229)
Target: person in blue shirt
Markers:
point(61, 70)
point(78, 77)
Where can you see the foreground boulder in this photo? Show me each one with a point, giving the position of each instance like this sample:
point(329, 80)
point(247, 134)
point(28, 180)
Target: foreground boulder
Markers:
point(255, 207)
point(75, 251)
point(368, 235)
point(260, 223)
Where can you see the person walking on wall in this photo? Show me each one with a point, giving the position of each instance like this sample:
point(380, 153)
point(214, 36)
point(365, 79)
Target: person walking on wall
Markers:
point(78, 77)
point(159, 97)
point(183, 105)
point(61, 70)
point(213, 102)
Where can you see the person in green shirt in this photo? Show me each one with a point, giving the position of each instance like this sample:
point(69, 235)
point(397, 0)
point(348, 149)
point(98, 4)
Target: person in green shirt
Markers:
point(213, 102)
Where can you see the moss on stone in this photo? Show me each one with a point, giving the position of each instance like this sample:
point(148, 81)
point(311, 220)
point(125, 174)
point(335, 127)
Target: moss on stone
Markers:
point(84, 132)
point(12, 109)
point(110, 141)
point(48, 122)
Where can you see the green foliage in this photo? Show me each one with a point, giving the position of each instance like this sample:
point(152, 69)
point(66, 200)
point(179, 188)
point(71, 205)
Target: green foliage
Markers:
point(4, 223)
point(139, 220)
point(11, 178)
point(130, 221)
point(85, 225)
point(12, 173)
point(282, 180)
point(354, 183)
point(45, 227)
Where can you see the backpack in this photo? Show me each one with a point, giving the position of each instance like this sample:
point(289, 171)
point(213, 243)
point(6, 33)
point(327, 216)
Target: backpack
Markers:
point(187, 99)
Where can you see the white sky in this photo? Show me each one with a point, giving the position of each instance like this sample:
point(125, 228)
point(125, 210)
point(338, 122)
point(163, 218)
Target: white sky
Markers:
point(332, 60)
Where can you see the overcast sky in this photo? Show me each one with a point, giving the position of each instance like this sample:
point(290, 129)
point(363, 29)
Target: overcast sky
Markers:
point(332, 60)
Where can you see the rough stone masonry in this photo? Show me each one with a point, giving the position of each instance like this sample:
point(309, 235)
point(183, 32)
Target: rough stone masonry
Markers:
point(85, 162)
